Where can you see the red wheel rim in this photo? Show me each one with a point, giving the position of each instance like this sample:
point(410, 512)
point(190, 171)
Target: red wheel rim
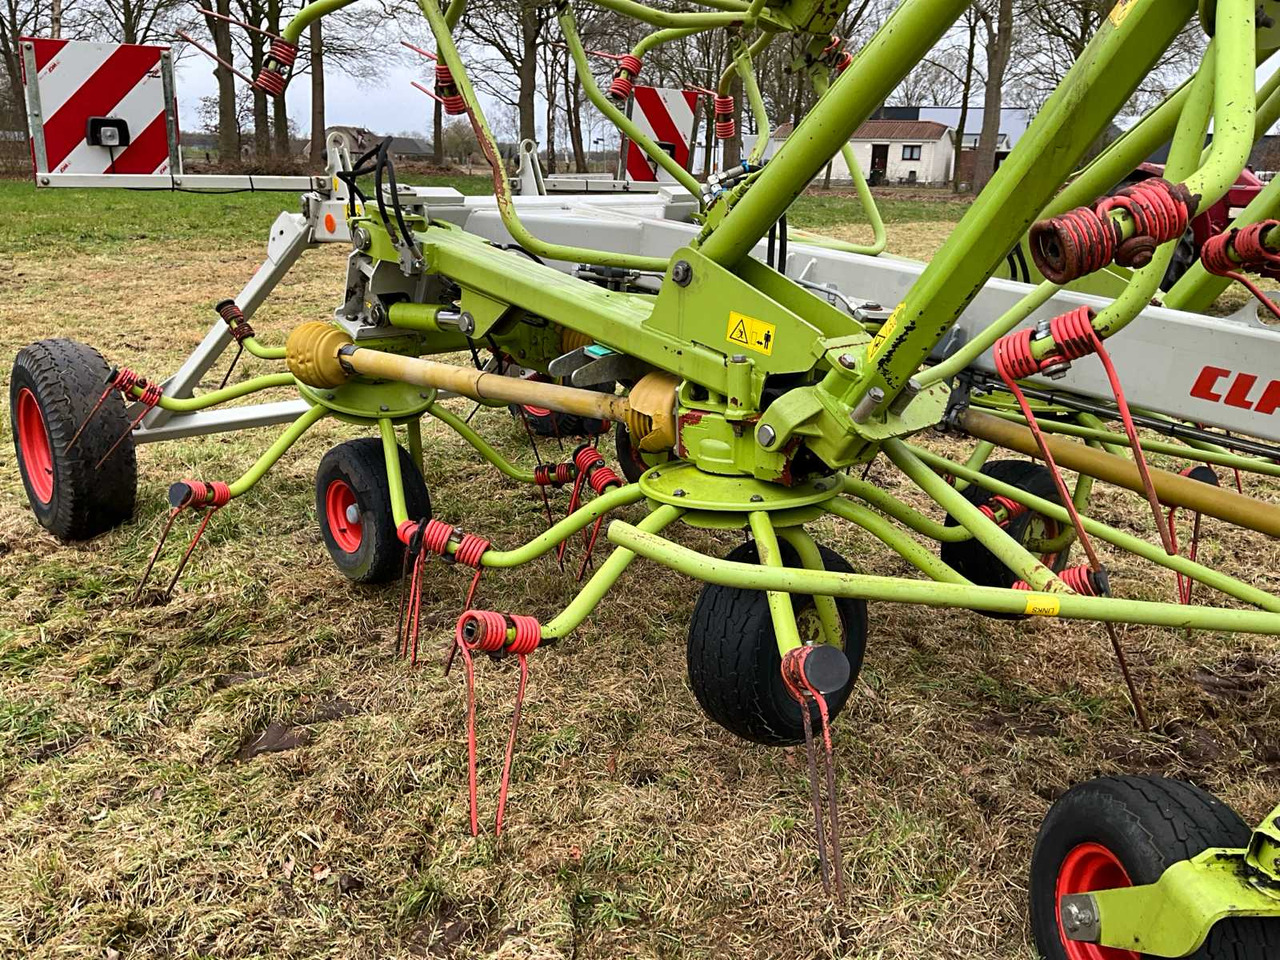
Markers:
point(33, 442)
point(338, 499)
point(1088, 867)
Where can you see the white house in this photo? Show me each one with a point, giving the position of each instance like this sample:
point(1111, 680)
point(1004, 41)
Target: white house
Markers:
point(891, 151)
point(901, 151)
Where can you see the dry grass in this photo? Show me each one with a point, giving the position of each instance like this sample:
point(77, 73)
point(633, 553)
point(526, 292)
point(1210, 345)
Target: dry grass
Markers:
point(132, 827)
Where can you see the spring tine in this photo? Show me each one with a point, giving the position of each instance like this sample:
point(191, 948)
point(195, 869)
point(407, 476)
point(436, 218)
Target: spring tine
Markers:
point(164, 535)
point(833, 812)
point(815, 792)
point(505, 784)
point(404, 573)
point(234, 360)
point(204, 522)
point(1134, 697)
point(75, 438)
point(120, 439)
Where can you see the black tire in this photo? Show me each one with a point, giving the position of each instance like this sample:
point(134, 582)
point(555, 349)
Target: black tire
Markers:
point(370, 551)
point(631, 461)
point(553, 423)
point(1146, 824)
point(54, 386)
point(735, 669)
point(1185, 256)
point(972, 559)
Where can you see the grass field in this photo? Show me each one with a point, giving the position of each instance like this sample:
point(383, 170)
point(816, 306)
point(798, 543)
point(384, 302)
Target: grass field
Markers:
point(138, 820)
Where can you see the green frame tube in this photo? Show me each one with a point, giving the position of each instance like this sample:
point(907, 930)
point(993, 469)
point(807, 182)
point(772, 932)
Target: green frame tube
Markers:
point(287, 439)
point(785, 629)
point(589, 597)
point(880, 236)
point(880, 67)
point(1069, 606)
point(1118, 538)
point(811, 559)
point(897, 541)
point(448, 52)
point(215, 397)
point(569, 27)
point(464, 430)
point(905, 514)
point(990, 534)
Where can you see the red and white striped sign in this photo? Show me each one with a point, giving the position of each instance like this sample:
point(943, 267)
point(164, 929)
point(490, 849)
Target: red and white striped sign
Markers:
point(76, 80)
point(670, 118)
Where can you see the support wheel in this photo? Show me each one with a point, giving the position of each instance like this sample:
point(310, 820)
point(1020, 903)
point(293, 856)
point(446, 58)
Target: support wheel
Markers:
point(353, 504)
point(630, 459)
point(54, 386)
point(735, 669)
point(553, 423)
point(1119, 831)
point(973, 560)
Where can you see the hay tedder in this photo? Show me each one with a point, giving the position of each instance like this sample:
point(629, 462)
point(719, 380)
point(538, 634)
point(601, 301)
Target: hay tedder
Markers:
point(751, 372)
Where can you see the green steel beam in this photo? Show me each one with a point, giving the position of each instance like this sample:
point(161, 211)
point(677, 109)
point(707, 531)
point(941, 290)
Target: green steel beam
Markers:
point(1135, 545)
point(1068, 606)
point(277, 450)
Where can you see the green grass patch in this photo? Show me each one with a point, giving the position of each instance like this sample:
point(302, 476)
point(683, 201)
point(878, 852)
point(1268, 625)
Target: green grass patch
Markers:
point(38, 220)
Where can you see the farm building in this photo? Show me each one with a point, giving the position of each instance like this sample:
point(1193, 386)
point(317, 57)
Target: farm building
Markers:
point(892, 151)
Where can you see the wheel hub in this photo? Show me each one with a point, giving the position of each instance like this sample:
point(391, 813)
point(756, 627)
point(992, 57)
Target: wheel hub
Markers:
point(342, 516)
point(37, 450)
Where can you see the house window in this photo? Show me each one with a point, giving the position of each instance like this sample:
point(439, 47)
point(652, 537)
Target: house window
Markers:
point(911, 151)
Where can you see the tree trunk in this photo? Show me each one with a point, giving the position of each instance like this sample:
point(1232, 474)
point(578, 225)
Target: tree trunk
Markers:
point(228, 122)
point(437, 143)
point(964, 100)
point(261, 123)
point(55, 20)
point(573, 106)
point(732, 156)
point(528, 70)
point(318, 126)
point(551, 124)
point(279, 108)
point(999, 44)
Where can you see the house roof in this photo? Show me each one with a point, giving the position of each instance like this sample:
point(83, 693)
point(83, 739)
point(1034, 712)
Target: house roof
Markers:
point(901, 130)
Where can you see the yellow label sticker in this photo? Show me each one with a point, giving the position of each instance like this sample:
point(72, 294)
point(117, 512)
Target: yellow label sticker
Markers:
point(1042, 605)
point(1120, 11)
point(885, 331)
point(753, 334)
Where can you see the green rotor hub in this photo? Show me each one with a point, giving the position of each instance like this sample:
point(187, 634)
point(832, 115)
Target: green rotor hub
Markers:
point(681, 484)
point(359, 401)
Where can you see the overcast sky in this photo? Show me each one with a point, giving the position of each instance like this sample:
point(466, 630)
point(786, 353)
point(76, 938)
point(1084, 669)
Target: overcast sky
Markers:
point(388, 105)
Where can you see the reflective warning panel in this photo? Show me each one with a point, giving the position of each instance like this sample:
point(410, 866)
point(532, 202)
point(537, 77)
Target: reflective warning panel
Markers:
point(757, 335)
point(99, 107)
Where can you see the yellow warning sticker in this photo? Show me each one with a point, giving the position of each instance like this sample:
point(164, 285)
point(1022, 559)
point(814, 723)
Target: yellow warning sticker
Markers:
point(753, 334)
point(1120, 11)
point(1042, 605)
point(885, 331)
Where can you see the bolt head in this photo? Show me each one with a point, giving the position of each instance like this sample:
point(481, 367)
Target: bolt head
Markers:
point(467, 323)
point(353, 514)
point(766, 436)
point(757, 498)
point(847, 361)
point(738, 358)
point(682, 273)
point(678, 492)
point(383, 407)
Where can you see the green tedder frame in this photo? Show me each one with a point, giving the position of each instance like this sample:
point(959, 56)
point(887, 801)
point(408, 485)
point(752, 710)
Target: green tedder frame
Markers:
point(755, 395)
